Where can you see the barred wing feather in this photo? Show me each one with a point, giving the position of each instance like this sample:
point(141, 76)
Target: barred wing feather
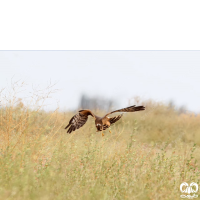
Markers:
point(114, 119)
point(76, 122)
point(128, 109)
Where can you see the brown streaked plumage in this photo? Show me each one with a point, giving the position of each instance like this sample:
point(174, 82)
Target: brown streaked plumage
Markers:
point(102, 123)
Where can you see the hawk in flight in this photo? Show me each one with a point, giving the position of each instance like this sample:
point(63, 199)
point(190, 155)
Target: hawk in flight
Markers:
point(102, 123)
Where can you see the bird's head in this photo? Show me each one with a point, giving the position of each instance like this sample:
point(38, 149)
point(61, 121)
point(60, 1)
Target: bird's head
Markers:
point(99, 127)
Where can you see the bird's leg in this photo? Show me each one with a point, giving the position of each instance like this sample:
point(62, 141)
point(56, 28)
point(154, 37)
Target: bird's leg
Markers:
point(110, 130)
point(102, 133)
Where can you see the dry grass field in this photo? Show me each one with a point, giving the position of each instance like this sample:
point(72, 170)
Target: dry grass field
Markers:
point(147, 155)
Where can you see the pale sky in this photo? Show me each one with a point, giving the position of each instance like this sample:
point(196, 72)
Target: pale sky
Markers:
point(121, 75)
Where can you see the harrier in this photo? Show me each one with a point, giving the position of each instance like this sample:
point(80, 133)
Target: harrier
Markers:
point(102, 123)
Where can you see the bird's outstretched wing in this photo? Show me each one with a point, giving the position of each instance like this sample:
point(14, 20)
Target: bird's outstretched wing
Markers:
point(114, 119)
point(128, 109)
point(78, 120)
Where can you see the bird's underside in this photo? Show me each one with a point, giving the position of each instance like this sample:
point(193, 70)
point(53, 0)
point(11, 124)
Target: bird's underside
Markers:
point(101, 123)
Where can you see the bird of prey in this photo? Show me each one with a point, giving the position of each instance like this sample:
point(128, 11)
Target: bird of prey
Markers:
point(102, 123)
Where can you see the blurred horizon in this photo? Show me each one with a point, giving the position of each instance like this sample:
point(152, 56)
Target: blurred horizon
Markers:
point(117, 77)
